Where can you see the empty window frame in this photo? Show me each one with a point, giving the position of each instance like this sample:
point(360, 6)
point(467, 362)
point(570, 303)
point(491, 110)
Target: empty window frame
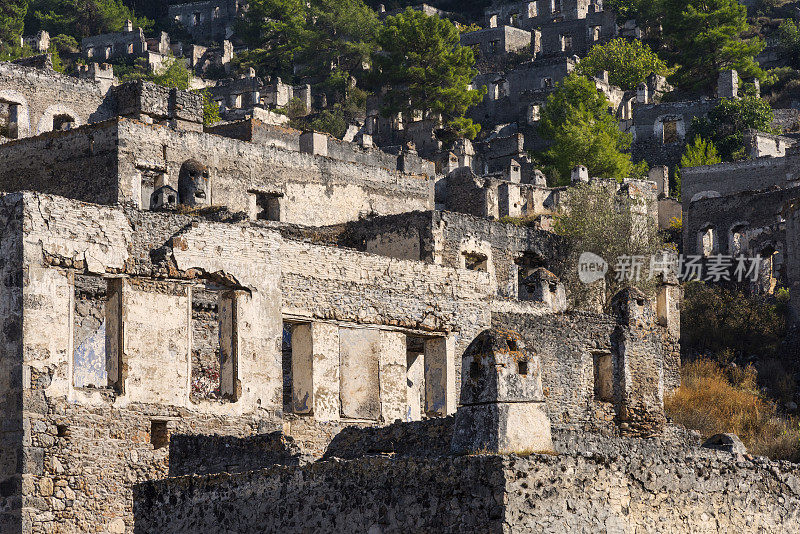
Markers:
point(9, 119)
point(63, 122)
point(214, 345)
point(415, 378)
point(286, 365)
point(670, 131)
point(475, 261)
point(96, 332)
point(707, 241)
point(603, 376)
point(265, 206)
point(159, 434)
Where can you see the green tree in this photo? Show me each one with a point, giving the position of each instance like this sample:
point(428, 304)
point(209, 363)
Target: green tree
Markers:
point(789, 39)
point(65, 44)
point(176, 75)
point(725, 124)
point(276, 31)
point(423, 68)
point(210, 108)
point(342, 36)
point(628, 63)
point(699, 152)
point(12, 19)
point(576, 119)
point(81, 18)
point(647, 13)
point(595, 218)
point(705, 37)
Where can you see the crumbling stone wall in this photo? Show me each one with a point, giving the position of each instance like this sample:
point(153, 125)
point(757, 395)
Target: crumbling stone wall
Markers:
point(745, 223)
point(41, 94)
point(653, 486)
point(749, 175)
point(12, 379)
point(201, 454)
point(442, 238)
point(573, 348)
point(89, 444)
point(121, 158)
point(208, 20)
point(75, 166)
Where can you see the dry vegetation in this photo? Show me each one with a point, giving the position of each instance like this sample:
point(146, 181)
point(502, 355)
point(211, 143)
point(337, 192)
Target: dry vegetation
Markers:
point(714, 398)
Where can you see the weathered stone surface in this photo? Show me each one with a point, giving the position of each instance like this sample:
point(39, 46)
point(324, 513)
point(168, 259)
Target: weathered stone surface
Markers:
point(626, 485)
point(725, 442)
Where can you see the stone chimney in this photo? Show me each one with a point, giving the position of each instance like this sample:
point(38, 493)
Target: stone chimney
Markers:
point(728, 84)
point(502, 407)
point(128, 26)
point(580, 174)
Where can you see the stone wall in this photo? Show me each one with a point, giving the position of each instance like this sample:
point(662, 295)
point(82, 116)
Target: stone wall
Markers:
point(652, 486)
point(202, 454)
point(86, 443)
point(444, 237)
point(590, 377)
point(41, 94)
point(746, 223)
point(12, 430)
point(749, 175)
point(207, 21)
point(63, 163)
point(118, 160)
point(582, 33)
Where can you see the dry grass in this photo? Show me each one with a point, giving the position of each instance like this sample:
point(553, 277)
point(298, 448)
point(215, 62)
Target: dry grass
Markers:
point(713, 399)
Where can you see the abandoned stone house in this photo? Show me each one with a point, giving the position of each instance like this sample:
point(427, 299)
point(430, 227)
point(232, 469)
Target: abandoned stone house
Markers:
point(237, 97)
point(166, 282)
point(207, 21)
point(130, 44)
point(544, 28)
point(743, 208)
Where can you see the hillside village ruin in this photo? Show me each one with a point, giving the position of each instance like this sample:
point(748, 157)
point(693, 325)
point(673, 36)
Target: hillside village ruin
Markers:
point(253, 328)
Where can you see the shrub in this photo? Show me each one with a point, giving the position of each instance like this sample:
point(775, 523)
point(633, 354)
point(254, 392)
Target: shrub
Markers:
point(715, 318)
point(715, 399)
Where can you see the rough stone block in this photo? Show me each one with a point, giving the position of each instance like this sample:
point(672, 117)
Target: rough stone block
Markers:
point(505, 427)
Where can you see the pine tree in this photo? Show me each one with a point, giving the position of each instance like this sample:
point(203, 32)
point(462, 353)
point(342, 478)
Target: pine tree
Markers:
point(425, 69)
point(576, 119)
point(705, 37)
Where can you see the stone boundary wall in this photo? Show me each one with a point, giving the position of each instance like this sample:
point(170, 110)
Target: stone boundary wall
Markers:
point(201, 454)
point(647, 486)
point(263, 134)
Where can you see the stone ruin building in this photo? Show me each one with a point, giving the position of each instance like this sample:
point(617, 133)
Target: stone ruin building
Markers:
point(251, 328)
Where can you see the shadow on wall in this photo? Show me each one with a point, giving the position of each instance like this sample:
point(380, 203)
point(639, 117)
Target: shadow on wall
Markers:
point(428, 438)
point(209, 454)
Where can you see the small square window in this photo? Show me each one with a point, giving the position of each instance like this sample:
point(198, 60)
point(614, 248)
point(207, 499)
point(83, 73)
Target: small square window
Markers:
point(475, 262)
point(522, 368)
point(159, 434)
